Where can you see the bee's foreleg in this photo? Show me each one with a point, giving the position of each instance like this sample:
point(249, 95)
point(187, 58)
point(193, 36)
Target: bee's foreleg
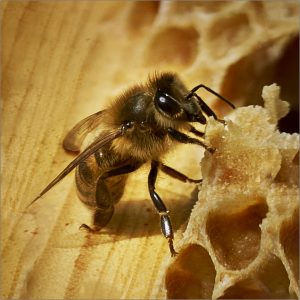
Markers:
point(165, 220)
point(207, 110)
point(183, 138)
point(196, 132)
point(177, 175)
point(196, 88)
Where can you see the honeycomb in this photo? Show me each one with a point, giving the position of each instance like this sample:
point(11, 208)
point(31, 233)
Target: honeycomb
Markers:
point(64, 60)
point(242, 239)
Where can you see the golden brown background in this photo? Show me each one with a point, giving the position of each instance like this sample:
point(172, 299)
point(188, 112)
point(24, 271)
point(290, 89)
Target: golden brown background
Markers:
point(63, 60)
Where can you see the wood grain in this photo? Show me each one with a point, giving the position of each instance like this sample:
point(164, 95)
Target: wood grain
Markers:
point(62, 61)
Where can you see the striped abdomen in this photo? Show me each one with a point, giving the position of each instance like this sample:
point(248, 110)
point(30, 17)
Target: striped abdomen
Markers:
point(93, 188)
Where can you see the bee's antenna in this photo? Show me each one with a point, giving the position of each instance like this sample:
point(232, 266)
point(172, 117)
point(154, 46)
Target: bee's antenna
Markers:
point(196, 88)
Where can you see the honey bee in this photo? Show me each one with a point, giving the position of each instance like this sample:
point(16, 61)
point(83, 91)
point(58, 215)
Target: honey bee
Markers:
point(139, 126)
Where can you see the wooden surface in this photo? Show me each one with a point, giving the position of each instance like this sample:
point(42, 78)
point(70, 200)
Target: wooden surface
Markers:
point(62, 61)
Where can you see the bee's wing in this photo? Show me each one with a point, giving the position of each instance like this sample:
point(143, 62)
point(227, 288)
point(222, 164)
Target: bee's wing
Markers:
point(91, 149)
point(74, 138)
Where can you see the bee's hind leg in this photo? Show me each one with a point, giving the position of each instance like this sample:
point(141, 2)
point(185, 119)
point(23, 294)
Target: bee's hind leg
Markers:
point(104, 201)
point(104, 208)
point(101, 218)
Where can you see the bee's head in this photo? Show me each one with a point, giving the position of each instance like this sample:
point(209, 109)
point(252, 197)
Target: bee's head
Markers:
point(171, 102)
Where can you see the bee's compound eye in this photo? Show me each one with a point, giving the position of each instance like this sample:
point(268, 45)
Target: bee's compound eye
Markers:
point(167, 104)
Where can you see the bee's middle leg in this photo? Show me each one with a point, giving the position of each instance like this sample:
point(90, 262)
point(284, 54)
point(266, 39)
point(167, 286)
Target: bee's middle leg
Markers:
point(177, 175)
point(165, 221)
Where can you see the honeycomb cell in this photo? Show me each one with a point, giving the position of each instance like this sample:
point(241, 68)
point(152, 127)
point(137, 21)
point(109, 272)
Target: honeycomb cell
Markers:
point(180, 7)
point(142, 15)
point(265, 66)
point(274, 278)
point(192, 275)
point(289, 238)
point(270, 282)
point(296, 159)
point(245, 289)
point(224, 32)
point(241, 72)
point(288, 78)
point(235, 235)
point(173, 46)
point(280, 11)
point(289, 171)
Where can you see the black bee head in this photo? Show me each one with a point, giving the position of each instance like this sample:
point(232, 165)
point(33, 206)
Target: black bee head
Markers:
point(171, 101)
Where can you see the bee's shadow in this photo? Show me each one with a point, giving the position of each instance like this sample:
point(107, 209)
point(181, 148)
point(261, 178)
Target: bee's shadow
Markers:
point(133, 219)
point(139, 217)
